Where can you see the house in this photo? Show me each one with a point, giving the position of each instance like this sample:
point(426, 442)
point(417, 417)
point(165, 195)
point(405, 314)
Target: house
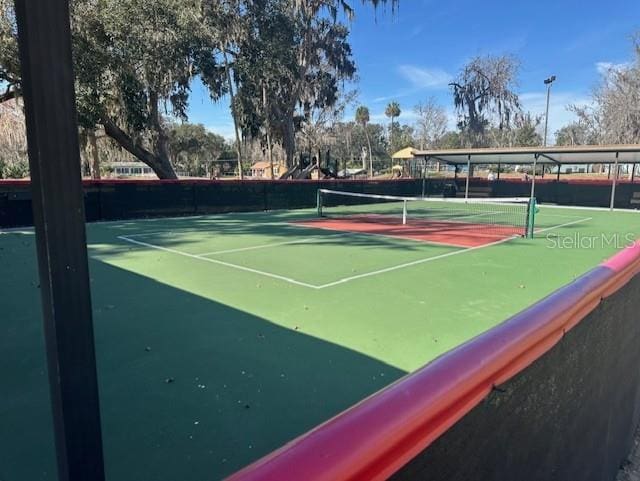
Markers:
point(262, 170)
point(130, 169)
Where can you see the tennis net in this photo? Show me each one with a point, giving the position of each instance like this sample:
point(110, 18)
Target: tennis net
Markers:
point(497, 217)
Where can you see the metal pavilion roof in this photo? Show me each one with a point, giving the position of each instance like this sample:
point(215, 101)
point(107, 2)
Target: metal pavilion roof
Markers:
point(582, 154)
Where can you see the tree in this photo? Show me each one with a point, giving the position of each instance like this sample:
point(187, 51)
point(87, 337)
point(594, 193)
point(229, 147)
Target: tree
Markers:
point(613, 116)
point(128, 71)
point(392, 111)
point(192, 148)
point(362, 118)
point(13, 141)
point(484, 95)
point(304, 50)
point(575, 133)
point(403, 136)
point(9, 59)
point(317, 131)
point(451, 140)
point(524, 132)
point(133, 75)
point(431, 124)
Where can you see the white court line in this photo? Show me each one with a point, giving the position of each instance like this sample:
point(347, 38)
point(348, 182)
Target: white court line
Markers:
point(17, 230)
point(171, 231)
point(311, 286)
point(564, 216)
point(563, 225)
point(266, 246)
point(413, 263)
point(215, 261)
point(581, 207)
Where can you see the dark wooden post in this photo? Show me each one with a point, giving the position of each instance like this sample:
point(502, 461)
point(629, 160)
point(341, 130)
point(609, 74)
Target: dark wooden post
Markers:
point(58, 211)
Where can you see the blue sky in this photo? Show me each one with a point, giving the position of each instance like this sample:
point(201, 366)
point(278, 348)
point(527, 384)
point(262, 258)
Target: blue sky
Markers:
point(413, 54)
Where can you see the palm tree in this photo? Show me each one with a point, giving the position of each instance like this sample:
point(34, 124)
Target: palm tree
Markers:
point(362, 118)
point(392, 111)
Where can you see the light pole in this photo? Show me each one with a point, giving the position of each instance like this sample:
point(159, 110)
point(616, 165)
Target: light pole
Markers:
point(548, 82)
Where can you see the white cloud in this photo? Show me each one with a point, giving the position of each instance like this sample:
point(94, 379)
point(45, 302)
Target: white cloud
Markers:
point(604, 68)
point(398, 95)
point(419, 78)
point(425, 78)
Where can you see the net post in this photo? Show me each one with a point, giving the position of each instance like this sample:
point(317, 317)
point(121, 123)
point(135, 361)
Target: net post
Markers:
point(531, 216)
point(319, 202)
point(404, 212)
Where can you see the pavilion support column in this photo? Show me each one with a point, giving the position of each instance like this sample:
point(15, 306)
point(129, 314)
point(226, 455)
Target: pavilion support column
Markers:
point(424, 175)
point(466, 187)
point(533, 177)
point(614, 182)
point(44, 40)
point(633, 172)
point(558, 176)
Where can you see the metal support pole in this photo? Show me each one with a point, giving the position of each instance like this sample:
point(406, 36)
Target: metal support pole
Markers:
point(424, 175)
point(558, 178)
point(466, 188)
point(614, 182)
point(58, 211)
point(533, 177)
point(498, 178)
point(546, 116)
point(633, 172)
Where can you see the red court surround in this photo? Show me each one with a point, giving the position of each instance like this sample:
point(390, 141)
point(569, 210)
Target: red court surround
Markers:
point(455, 234)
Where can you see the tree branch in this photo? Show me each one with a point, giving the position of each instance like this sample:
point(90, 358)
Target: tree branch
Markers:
point(162, 169)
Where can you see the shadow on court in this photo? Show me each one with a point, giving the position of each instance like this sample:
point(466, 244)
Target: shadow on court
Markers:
point(190, 389)
point(180, 233)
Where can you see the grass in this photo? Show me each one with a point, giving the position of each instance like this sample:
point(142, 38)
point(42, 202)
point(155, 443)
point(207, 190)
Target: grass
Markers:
point(209, 356)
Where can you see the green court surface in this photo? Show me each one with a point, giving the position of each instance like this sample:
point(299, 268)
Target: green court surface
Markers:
point(220, 338)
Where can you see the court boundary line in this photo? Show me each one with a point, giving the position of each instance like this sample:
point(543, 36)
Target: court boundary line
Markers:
point(584, 207)
point(267, 246)
point(413, 263)
point(343, 280)
point(313, 286)
point(216, 261)
point(547, 229)
point(299, 224)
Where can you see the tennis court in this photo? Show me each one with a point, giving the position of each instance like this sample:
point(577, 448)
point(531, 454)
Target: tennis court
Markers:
point(219, 338)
